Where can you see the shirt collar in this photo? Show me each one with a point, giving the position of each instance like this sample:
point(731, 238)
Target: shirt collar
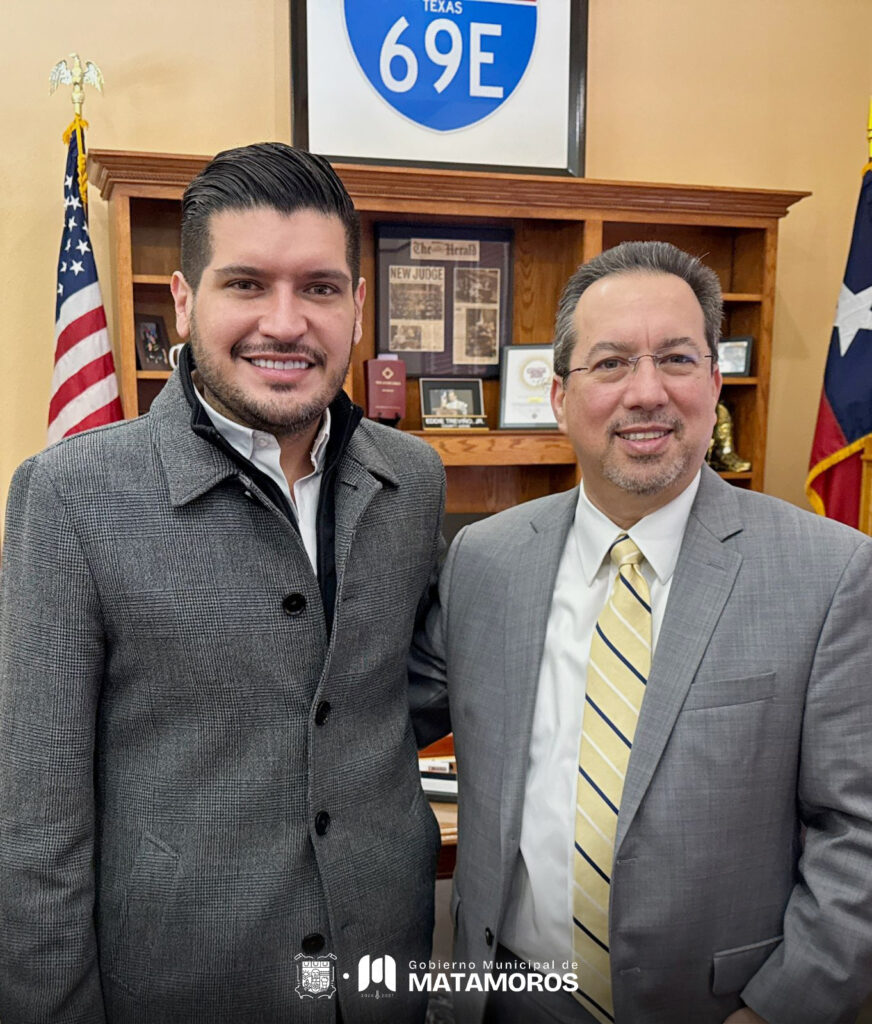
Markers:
point(658, 535)
point(250, 443)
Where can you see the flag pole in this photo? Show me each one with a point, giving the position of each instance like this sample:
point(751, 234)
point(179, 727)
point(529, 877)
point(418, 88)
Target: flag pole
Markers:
point(78, 76)
point(84, 388)
point(868, 166)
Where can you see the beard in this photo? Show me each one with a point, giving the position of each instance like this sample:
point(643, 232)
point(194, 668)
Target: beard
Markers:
point(277, 413)
point(649, 478)
point(648, 474)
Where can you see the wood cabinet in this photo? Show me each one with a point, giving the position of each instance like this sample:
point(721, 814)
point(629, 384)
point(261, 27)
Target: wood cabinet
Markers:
point(557, 223)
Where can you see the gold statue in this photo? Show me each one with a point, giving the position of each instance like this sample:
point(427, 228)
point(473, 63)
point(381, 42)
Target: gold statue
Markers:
point(722, 453)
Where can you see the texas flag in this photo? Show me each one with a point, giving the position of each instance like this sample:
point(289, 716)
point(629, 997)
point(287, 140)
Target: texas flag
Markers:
point(844, 422)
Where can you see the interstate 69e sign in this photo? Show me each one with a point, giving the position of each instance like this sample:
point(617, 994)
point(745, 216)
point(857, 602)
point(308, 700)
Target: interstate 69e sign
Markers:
point(443, 64)
point(474, 82)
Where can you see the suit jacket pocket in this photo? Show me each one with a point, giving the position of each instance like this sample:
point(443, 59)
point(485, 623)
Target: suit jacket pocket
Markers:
point(143, 907)
point(716, 693)
point(733, 968)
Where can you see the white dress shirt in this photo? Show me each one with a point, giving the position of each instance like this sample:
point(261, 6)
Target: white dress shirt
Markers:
point(537, 924)
point(262, 449)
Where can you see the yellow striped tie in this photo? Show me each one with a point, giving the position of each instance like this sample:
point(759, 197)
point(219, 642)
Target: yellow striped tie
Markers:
point(620, 658)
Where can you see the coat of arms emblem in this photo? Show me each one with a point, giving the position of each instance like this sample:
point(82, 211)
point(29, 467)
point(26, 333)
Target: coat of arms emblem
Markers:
point(315, 976)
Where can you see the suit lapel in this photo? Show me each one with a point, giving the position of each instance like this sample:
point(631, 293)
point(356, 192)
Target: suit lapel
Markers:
point(362, 472)
point(704, 577)
point(528, 604)
point(355, 489)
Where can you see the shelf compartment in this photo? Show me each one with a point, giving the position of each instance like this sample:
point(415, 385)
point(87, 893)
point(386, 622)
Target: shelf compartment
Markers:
point(500, 448)
point(155, 226)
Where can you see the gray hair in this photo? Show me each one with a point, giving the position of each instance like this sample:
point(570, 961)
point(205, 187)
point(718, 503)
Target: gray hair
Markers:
point(638, 257)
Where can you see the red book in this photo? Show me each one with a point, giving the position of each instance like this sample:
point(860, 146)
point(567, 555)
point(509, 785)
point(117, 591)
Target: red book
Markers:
point(385, 389)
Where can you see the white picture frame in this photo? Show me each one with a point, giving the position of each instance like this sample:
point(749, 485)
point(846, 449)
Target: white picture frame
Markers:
point(340, 113)
point(525, 388)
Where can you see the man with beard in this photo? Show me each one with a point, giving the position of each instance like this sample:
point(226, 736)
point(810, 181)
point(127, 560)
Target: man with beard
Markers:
point(661, 693)
point(209, 793)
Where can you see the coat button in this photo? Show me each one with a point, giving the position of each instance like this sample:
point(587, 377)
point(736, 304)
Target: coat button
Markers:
point(322, 712)
point(313, 943)
point(293, 604)
point(488, 936)
point(322, 822)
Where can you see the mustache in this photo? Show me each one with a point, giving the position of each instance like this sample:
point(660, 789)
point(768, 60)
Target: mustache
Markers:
point(287, 349)
point(672, 423)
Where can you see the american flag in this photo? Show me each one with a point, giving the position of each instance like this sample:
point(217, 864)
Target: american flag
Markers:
point(84, 390)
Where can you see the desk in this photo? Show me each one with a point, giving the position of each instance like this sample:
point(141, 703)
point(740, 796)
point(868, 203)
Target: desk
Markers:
point(446, 815)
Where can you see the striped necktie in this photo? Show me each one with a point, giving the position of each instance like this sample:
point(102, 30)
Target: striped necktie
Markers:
point(620, 658)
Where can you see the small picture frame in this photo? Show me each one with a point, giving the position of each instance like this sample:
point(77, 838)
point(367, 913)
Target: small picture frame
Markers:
point(525, 388)
point(152, 342)
point(452, 403)
point(734, 356)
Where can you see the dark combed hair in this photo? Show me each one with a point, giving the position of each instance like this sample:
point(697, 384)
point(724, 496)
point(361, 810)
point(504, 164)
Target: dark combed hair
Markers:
point(639, 258)
point(266, 174)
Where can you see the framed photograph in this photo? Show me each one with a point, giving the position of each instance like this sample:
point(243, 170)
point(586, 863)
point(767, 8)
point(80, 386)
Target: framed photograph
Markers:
point(444, 298)
point(486, 84)
point(734, 356)
point(525, 387)
point(452, 403)
point(152, 342)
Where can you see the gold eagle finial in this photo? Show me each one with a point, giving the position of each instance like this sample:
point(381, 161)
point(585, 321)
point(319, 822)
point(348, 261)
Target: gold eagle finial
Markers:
point(78, 76)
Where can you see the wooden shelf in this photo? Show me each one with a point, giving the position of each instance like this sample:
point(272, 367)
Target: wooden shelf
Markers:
point(752, 381)
point(743, 297)
point(467, 192)
point(500, 448)
point(152, 374)
point(153, 279)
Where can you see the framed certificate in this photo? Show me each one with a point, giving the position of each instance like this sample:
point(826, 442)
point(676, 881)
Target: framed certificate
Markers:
point(444, 298)
point(525, 391)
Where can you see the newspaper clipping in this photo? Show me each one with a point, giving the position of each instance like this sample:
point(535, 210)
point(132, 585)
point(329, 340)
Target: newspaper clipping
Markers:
point(476, 315)
point(417, 309)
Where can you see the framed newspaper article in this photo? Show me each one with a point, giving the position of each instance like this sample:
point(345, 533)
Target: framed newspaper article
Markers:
point(444, 298)
point(525, 388)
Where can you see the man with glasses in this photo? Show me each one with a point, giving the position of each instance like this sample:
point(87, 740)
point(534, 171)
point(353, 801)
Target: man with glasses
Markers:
point(661, 695)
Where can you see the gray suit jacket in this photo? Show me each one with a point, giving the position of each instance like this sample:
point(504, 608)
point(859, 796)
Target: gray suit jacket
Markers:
point(756, 725)
point(162, 767)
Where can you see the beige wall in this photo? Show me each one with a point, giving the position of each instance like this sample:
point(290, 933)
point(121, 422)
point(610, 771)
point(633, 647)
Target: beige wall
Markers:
point(769, 95)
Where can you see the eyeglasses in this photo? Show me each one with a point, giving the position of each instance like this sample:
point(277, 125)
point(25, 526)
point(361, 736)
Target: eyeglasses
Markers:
point(675, 364)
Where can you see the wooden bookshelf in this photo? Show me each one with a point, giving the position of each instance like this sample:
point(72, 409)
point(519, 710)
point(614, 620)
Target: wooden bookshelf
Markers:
point(557, 223)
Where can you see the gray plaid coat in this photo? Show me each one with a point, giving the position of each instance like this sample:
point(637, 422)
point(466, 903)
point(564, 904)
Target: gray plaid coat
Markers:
point(175, 817)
